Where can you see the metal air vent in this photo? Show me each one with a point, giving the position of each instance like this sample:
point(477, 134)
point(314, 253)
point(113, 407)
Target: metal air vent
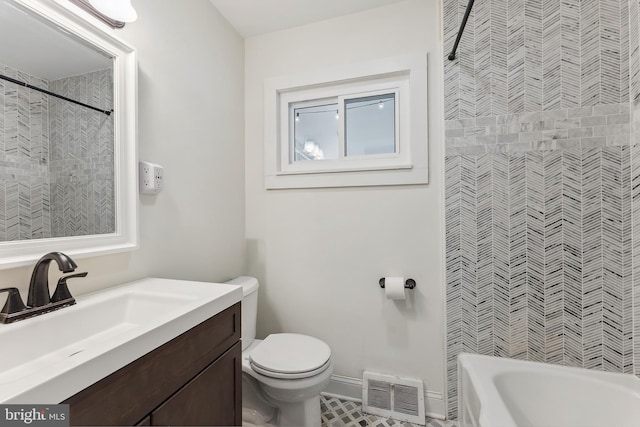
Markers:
point(393, 397)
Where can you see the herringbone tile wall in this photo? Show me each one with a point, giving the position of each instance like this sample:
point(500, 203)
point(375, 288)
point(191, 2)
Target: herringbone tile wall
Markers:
point(81, 165)
point(539, 258)
point(24, 156)
point(533, 55)
point(56, 159)
point(543, 183)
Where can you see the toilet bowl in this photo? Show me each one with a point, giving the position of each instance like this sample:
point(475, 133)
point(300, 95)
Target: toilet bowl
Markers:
point(284, 374)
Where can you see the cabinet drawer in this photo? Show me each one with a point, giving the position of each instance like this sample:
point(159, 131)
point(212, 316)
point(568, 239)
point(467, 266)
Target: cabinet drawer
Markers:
point(134, 391)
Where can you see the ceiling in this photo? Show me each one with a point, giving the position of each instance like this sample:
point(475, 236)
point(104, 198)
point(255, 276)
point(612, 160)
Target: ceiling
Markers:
point(255, 17)
point(43, 51)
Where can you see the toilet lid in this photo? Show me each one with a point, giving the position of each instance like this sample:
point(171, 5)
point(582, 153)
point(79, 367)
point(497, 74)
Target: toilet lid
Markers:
point(290, 354)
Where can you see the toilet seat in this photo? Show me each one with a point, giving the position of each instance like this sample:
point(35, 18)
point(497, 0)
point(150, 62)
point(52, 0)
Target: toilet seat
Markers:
point(290, 356)
point(290, 376)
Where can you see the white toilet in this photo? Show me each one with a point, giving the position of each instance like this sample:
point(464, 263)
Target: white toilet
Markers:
point(282, 375)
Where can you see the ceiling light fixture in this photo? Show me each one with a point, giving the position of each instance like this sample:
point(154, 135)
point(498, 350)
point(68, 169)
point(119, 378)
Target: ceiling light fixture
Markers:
point(119, 10)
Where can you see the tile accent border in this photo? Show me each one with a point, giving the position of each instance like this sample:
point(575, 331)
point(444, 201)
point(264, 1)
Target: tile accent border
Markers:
point(569, 128)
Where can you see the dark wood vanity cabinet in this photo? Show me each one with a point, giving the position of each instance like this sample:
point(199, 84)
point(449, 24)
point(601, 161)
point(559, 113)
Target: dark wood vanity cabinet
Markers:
point(193, 380)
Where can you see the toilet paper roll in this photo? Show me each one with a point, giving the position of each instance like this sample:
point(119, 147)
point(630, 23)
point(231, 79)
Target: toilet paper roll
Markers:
point(394, 288)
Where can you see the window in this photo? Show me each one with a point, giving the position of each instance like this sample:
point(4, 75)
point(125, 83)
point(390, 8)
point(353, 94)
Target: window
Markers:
point(367, 126)
point(357, 129)
point(370, 125)
point(361, 129)
point(315, 131)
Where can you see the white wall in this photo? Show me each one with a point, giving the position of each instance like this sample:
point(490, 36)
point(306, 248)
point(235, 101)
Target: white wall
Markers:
point(191, 116)
point(319, 253)
point(191, 101)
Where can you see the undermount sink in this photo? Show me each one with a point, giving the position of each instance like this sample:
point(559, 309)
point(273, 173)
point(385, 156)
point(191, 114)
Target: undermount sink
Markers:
point(48, 358)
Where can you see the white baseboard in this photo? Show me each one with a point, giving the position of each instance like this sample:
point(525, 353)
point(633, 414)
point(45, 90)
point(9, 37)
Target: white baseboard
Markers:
point(345, 388)
point(434, 405)
point(348, 388)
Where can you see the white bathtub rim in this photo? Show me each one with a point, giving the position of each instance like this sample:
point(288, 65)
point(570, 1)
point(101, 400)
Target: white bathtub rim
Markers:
point(492, 366)
point(485, 391)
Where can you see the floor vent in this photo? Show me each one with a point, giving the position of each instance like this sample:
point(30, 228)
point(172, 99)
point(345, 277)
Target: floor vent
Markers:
point(389, 396)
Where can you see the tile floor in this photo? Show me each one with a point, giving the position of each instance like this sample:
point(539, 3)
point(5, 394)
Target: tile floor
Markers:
point(343, 413)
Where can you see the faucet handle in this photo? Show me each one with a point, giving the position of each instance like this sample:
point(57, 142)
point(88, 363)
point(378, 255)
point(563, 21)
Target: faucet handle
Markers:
point(62, 291)
point(14, 302)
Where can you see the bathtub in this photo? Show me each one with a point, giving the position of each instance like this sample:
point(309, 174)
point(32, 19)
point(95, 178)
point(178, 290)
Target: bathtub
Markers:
point(498, 392)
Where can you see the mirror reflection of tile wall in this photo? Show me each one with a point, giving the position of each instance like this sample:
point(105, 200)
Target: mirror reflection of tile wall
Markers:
point(56, 158)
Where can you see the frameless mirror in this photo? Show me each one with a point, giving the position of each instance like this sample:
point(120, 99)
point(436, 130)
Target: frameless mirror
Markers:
point(67, 133)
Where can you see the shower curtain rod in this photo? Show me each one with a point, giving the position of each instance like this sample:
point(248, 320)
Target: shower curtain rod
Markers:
point(452, 55)
point(27, 85)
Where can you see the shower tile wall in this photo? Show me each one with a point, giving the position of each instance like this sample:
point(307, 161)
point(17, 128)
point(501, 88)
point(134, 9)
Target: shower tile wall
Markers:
point(634, 73)
point(24, 156)
point(542, 183)
point(534, 55)
point(56, 159)
point(81, 164)
point(539, 257)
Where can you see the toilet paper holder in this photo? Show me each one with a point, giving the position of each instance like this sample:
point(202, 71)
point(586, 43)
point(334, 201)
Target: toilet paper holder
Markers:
point(408, 284)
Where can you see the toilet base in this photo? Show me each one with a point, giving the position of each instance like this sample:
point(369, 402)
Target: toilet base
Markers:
point(260, 409)
point(296, 414)
point(255, 408)
point(253, 418)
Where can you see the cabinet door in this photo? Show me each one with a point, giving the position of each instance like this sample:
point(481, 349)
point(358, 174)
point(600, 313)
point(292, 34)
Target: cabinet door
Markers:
point(213, 398)
point(145, 422)
point(131, 393)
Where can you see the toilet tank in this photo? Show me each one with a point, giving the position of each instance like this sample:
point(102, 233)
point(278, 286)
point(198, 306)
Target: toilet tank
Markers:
point(249, 307)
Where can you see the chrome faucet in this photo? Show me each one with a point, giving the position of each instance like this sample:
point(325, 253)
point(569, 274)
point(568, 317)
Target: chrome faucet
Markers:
point(39, 285)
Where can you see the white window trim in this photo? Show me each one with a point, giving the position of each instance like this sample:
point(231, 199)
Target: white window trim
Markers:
point(407, 75)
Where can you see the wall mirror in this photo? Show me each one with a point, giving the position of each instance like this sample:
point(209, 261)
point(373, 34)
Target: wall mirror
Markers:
point(67, 134)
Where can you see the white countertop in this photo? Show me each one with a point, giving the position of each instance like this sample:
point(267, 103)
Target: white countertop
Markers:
point(49, 358)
